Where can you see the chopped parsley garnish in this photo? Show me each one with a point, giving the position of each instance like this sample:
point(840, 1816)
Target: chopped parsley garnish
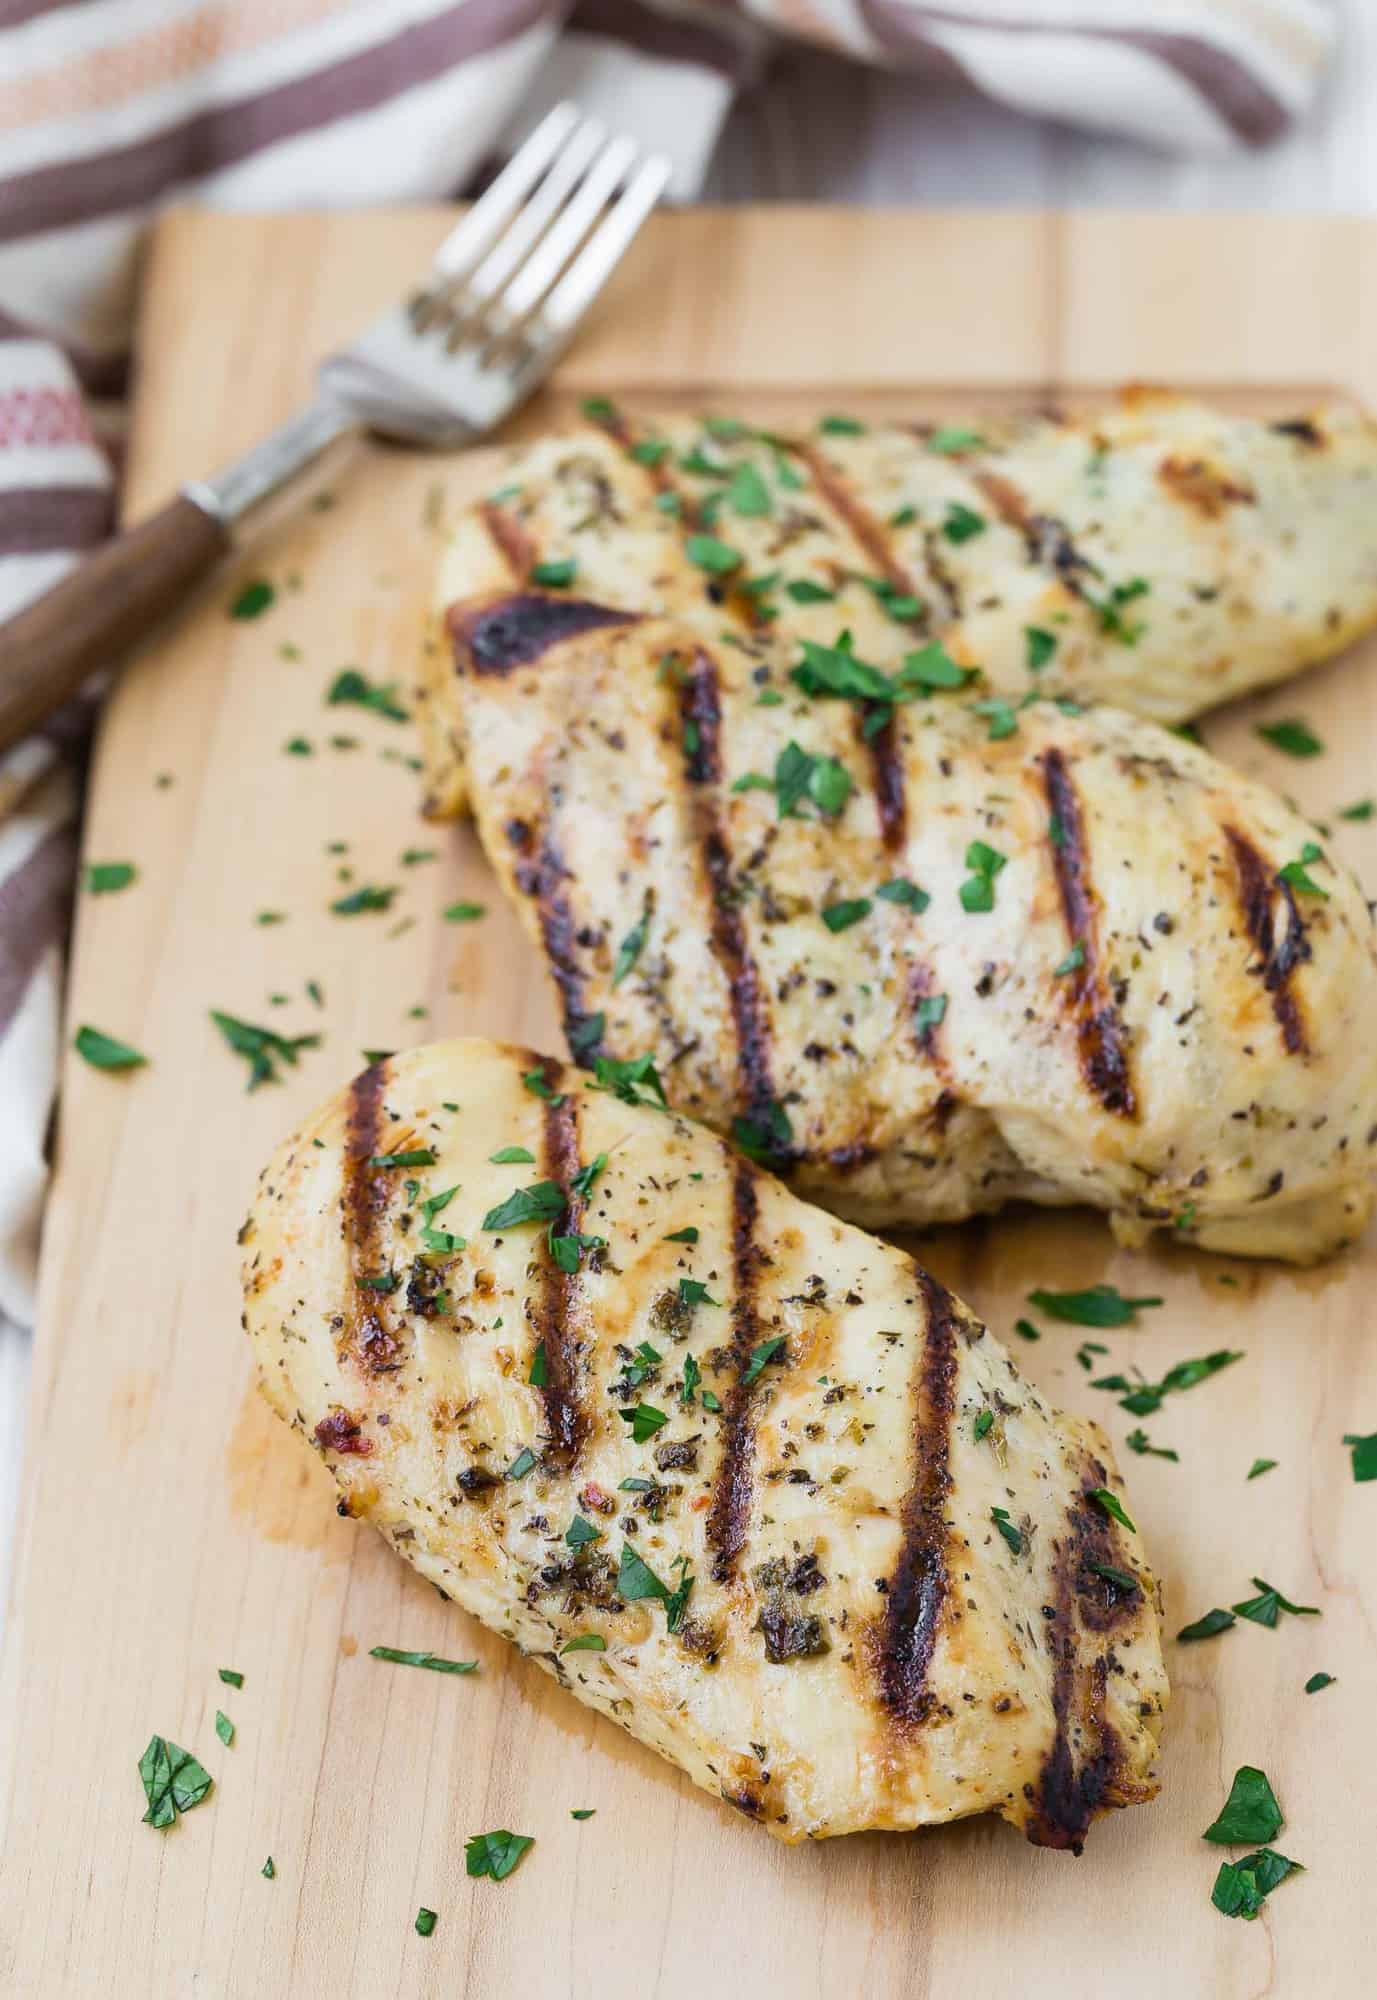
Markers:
point(689, 1235)
point(1265, 1608)
point(1111, 1504)
point(581, 1812)
point(1241, 1887)
point(268, 1870)
point(1086, 1352)
point(583, 1181)
point(252, 601)
point(931, 666)
point(231, 1677)
point(629, 1079)
point(951, 439)
point(694, 1292)
point(636, 1580)
point(1138, 1441)
point(712, 555)
point(539, 1373)
point(1318, 1681)
point(586, 1642)
point(262, 1048)
point(1001, 716)
point(352, 687)
point(1361, 809)
point(1012, 1535)
point(544, 1201)
point(362, 900)
point(1141, 1399)
point(1041, 646)
point(962, 523)
point(495, 1854)
point(977, 891)
point(556, 575)
point(433, 1661)
point(765, 1137)
point(1121, 1579)
point(1292, 735)
point(539, 1085)
point(566, 1250)
point(1098, 1305)
point(930, 1012)
point(585, 1035)
point(1073, 961)
point(465, 913)
point(907, 894)
point(983, 1425)
point(804, 591)
point(385, 1282)
point(650, 451)
point(841, 916)
point(173, 1781)
point(1294, 872)
point(512, 1156)
point(103, 878)
point(438, 1239)
point(693, 1375)
point(419, 1156)
point(842, 427)
point(598, 410)
point(631, 945)
point(426, 1920)
point(1207, 1627)
point(644, 1421)
point(580, 1533)
point(761, 1357)
point(1025, 1329)
point(224, 1728)
point(104, 1052)
point(1109, 609)
point(1250, 1813)
point(522, 1464)
point(1261, 1465)
point(298, 746)
point(1364, 1460)
point(747, 493)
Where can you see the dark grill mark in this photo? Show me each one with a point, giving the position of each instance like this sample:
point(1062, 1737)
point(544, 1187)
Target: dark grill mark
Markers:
point(367, 1191)
point(1203, 486)
point(1259, 886)
point(509, 538)
point(565, 1416)
point(887, 773)
point(729, 1516)
point(700, 709)
point(1302, 429)
point(1085, 1761)
point(516, 630)
point(1100, 1036)
point(919, 1587)
point(542, 879)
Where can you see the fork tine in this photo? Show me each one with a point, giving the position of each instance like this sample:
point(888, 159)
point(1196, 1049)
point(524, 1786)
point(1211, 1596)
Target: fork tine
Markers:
point(605, 249)
point(550, 256)
point(490, 214)
point(535, 216)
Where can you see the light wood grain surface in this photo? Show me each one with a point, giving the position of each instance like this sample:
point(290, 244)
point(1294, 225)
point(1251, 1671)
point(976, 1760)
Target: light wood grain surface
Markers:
point(170, 1526)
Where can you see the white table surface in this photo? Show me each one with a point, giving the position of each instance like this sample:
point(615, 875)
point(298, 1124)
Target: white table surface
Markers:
point(820, 130)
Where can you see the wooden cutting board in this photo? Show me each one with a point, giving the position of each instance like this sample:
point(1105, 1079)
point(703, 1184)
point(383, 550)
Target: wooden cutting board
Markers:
point(171, 1527)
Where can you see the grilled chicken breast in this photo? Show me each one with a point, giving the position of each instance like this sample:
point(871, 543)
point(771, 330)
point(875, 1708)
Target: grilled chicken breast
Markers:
point(1161, 555)
point(739, 1476)
point(931, 954)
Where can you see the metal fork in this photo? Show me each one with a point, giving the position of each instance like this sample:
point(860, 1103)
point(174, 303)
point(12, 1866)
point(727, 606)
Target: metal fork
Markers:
point(502, 298)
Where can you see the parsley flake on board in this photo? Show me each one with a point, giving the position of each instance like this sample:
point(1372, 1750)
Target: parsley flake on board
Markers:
point(465, 913)
point(1086, 1352)
point(1250, 1812)
point(104, 1052)
point(1137, 1440)
point(1261, 1465)
point(582, 1812)
point(495, 1854)
point(262, 1048)
point(1025, 1330)
point(1098, 1305)
point(230, 1676)
point(1361, 809)
point(224, 1728)
point(1241, 1887)
point(351, 688)
point(398, 1658)
point(1207, 1627)
point(173, 1781)
point(359, 901)
point(268, 1870)
point(1318, 1681)
point(426, 1920)
point(835, 426)
point(1364, 1459)
point(253, 600)
point(1291, 735)
point(1265, 1608)
point(1143, 1398)
point(977, 891)
point(542, 1202)
point(103, 878)
point(1012, 1535)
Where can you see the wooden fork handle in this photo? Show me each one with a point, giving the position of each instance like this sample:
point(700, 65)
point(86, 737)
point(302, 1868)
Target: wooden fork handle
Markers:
point(110, 600)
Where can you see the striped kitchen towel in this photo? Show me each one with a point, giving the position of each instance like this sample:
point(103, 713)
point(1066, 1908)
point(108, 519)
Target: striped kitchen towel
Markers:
point(112, 107)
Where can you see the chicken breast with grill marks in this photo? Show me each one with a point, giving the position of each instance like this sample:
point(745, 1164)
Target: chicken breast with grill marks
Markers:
point(1160, 555)
point(930, 954)
point(739, 1476)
